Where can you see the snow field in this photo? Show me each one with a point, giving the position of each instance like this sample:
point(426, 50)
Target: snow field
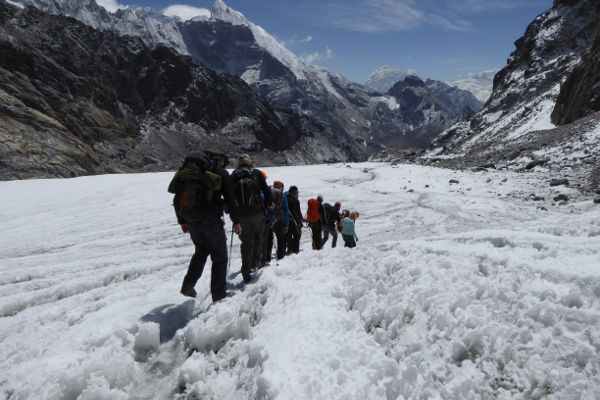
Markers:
point(456, 290)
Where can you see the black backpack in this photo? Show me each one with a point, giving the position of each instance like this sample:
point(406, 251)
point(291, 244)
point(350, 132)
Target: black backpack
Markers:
point(195, 186)
point(277, 202)
point(246, 189)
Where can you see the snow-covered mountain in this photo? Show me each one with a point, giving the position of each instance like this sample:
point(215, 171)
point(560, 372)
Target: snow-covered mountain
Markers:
point(480, 84)
point(427, 108)
point(520, 123)
point(109, 103)
point(383, 78)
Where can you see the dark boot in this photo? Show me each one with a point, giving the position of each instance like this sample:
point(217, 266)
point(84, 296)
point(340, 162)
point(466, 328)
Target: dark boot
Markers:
point(188, 290)
point(246, 274)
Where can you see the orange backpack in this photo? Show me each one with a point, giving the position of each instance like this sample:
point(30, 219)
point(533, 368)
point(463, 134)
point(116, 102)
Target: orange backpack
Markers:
point(312, 215)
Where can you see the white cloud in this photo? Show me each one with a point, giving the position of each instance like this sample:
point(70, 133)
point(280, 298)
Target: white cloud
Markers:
point(318, 56)
point(110, 5)
point(405, 15)
point(185, 12)
point(291, 42)
point(374, 15)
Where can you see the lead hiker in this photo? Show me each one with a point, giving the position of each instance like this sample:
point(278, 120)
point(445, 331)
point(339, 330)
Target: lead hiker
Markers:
point(199, 187)
point(348, 230)
point(248, 183)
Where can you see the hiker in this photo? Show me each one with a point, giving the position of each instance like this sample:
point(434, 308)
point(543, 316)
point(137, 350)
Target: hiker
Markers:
point(333, 217)
point(267, 247)
point(281, 215)
point(295, 226)
point(348, 231)
point(248, 183)
point(199, 211)
point(315, 215)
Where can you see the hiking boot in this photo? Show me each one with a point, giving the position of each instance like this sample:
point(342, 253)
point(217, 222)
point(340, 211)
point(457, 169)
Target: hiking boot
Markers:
point(247, 276)
point(188, 291)
point(228, 294)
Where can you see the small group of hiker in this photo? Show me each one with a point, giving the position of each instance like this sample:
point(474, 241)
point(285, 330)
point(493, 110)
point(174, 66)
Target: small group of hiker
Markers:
point(204, 190)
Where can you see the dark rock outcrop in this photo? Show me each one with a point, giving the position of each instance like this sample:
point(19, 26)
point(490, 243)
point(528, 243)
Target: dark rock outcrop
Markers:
point(580, 94)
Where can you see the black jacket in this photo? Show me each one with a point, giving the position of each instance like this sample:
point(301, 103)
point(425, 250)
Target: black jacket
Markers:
point(225, 195)
point(332, 215)
point(294, 206)
point(239, 173)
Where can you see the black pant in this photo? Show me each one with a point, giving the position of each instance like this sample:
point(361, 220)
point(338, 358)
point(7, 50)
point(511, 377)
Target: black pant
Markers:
point(267, 242)
point(349, 241)
point(253, 227)
point(294, 235)
point(278, 228)
point(316, 228)
point(334, 235)
point(209, 237)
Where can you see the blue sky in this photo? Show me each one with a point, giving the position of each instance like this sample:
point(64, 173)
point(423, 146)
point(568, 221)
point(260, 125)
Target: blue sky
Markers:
point(439, 39)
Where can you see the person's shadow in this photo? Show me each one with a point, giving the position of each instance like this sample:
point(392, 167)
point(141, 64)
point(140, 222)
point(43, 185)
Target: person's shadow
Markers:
point(171, 317)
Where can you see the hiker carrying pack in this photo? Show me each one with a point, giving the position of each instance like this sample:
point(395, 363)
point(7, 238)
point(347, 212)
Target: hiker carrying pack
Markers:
point(316, 221)
point(202, 187)
point(248, 184)
point(277, 193)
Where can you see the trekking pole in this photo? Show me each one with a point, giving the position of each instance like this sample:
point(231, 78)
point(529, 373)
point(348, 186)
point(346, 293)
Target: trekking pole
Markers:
point(230, 249)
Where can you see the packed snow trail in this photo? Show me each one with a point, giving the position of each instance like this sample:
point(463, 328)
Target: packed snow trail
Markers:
point(463, 290)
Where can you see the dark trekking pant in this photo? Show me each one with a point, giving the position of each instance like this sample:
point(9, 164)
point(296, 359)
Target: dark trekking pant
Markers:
point(294, 235)
point(267, 242)
point(281, 239)
point(253, 227)
point(334, 235)
point(349, 241)
point(316, 229)
point(209, 237)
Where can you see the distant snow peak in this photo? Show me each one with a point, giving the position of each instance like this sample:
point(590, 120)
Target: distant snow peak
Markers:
point(480, 84)
point(221, 11)
point(383, 78)
point(109, 5)
point(185, 12)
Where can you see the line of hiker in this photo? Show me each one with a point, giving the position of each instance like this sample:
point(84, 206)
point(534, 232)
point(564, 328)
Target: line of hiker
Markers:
point(203, 190)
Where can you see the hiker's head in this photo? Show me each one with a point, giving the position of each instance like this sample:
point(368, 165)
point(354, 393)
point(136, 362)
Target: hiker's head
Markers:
point(338, 205)
point(244, 159)
point(218, 155)
point(346, 213)
point(278, 184)
point(320, 198)
point(293, 190)
point(353, 215)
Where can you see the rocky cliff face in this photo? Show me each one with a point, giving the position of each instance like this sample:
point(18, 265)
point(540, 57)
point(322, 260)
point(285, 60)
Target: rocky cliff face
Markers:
point(580, 94)
point(79, 101)
point(549, 80)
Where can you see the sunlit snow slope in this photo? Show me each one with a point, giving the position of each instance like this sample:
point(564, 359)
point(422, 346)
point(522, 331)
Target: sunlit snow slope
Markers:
point(465, 290)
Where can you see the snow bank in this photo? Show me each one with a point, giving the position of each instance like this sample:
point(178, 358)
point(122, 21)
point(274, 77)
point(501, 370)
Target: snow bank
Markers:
point(463, 290)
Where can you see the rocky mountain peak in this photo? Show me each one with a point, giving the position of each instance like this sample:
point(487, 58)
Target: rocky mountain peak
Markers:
point(221, 11)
